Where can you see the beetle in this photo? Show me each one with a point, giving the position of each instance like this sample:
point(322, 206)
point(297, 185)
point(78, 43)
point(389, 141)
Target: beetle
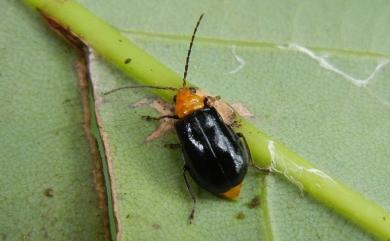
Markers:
point(215, 156)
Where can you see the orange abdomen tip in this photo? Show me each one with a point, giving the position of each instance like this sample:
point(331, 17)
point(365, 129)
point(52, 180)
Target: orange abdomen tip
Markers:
point(233, 192)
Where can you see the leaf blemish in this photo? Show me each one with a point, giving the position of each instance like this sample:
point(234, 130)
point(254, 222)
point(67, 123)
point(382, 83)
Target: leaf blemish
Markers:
point(156, 226)
point(254, 203)
point(128, 60)
point(240, 216)
point(49, 192)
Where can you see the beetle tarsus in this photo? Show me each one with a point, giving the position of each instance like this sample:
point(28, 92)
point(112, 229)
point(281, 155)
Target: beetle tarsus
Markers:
point(243, 140)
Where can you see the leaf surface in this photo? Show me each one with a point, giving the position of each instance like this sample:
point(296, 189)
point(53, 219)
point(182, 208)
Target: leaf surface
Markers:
point(47, 189)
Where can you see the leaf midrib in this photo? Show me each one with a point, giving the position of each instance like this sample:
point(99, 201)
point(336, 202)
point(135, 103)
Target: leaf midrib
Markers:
point(248, 43)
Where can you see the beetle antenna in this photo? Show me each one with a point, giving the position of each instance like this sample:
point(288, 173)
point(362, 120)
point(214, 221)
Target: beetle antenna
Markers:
point(141, 86)
point(189, 51)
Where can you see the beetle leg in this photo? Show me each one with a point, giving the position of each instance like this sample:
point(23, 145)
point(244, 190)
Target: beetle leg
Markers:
point(172, 145)
point(191, 216)
point(206, 101)
point(146, 117)
point(240, 135)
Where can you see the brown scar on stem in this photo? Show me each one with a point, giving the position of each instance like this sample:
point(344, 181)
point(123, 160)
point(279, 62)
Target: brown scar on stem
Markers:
point(64, 32)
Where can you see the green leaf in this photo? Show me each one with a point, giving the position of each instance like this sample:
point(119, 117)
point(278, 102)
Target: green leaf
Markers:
point(47, 189)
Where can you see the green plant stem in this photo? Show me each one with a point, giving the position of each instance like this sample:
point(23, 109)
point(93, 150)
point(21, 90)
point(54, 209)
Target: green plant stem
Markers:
point(117, 49)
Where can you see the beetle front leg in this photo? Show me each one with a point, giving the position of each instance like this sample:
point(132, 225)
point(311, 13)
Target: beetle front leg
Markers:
point(191, 216)
point(149, 118)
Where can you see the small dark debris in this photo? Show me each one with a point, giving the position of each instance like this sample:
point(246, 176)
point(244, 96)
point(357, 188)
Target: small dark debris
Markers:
point(254, 203)
point(66, 101)
point(120, 40)
point(266, 171)
point(156, 226)
point(240, 216)
point(49, 192)
point(172, 145)
point(384, 218)
point(128, 216)
point(128, 60)
point(236, 124)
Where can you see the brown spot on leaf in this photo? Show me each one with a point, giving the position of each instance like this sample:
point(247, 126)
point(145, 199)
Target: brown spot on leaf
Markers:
point(254, 203)
point(240, 216)
point(66, 101)
point(49, 192)
point(156, 226)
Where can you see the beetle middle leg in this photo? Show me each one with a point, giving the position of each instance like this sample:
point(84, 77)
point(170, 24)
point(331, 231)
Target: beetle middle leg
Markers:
point(243, 140)
point(192, 213)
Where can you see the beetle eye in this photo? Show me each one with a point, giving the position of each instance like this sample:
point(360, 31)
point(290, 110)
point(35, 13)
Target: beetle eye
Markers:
point(193, 90)
point(174, 98)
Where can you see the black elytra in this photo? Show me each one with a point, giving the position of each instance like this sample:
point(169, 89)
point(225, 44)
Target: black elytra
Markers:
point(215, 156)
